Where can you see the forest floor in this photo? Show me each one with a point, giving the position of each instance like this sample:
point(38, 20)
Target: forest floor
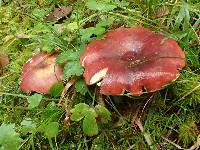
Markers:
point(167, 119)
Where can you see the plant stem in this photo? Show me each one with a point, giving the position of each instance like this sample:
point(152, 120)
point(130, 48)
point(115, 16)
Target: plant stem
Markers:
point(146, 135)
point(190, 92)
point(32, 142)
point(25, 96)
point(82, 22)
point(51, 143)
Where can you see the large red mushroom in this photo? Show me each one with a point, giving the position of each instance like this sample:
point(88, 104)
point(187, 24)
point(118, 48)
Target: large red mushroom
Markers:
point(40, 73)
point(135, 60)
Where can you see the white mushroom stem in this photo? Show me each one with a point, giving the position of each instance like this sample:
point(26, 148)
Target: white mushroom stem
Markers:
point(98, 76)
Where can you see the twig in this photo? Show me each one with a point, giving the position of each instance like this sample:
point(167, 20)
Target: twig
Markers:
point(67, 86)
point(146, 135)
point(24, 96)
point(196, 144)
point(190, 92)
point(174, 144)
point(68, 107)
point(5, 76)
point(131, 147)
point(148, 101)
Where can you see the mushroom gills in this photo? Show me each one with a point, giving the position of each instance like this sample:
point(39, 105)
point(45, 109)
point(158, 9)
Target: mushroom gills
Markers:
point(98, 76)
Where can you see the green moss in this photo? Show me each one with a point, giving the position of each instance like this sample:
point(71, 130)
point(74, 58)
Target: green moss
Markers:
point(166, 116)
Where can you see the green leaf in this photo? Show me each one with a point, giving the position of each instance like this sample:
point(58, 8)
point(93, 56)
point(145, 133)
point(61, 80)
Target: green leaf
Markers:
point(121, 3)
point(39, 13)
point(83, 111)
point(52, 129)
point(103, 5)
point(79, 111)
point(34, 100)
point(28, 126)
point(38, 28)
point(90, 126)
point(81, 87)
point(50, 114)
point(103, 113)
point(105, 23)
point(72, 26)
point(183, 16)
point(56, 90)
point(9, 139)
point(99, 30)
point(87, 33)
point(68, 56)
point(46, 47)
point(72, 68)
point(48, 2)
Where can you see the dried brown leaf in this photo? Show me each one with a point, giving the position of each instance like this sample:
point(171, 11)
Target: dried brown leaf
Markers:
point(162, 11)
point(4, 60)
point(58, 13)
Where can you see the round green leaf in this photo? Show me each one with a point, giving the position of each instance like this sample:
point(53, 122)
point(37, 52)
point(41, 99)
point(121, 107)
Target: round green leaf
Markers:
point(52, 129)
point(90, 126)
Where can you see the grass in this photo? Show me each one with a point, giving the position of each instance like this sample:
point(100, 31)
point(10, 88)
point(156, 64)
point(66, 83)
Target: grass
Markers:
point(170, 117)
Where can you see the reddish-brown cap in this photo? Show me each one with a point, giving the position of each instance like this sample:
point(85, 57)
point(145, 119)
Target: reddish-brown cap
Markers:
point(136, 60)
point(40, 73)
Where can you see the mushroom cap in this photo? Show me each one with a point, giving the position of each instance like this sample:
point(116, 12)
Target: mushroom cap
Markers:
point(136, 60)
point(40, 73)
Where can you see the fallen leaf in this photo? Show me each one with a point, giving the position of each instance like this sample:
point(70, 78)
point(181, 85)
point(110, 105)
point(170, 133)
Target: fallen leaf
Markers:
point(162, 11)
point(58, 13)
point(23, 36)
point(4, 60)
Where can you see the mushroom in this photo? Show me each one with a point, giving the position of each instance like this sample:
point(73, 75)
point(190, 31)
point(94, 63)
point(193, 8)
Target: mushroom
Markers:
point(40, 73)
point(135, 60)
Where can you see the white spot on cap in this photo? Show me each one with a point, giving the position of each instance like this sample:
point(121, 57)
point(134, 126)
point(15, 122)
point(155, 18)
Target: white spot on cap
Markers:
point(98, 76)
point(131, 45)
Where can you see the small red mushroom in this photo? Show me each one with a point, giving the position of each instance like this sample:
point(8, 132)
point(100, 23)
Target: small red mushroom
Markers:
point(40, 73)
point(136, 60)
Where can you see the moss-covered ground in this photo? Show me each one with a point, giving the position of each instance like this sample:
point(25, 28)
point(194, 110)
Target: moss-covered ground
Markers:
point(168, 119)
